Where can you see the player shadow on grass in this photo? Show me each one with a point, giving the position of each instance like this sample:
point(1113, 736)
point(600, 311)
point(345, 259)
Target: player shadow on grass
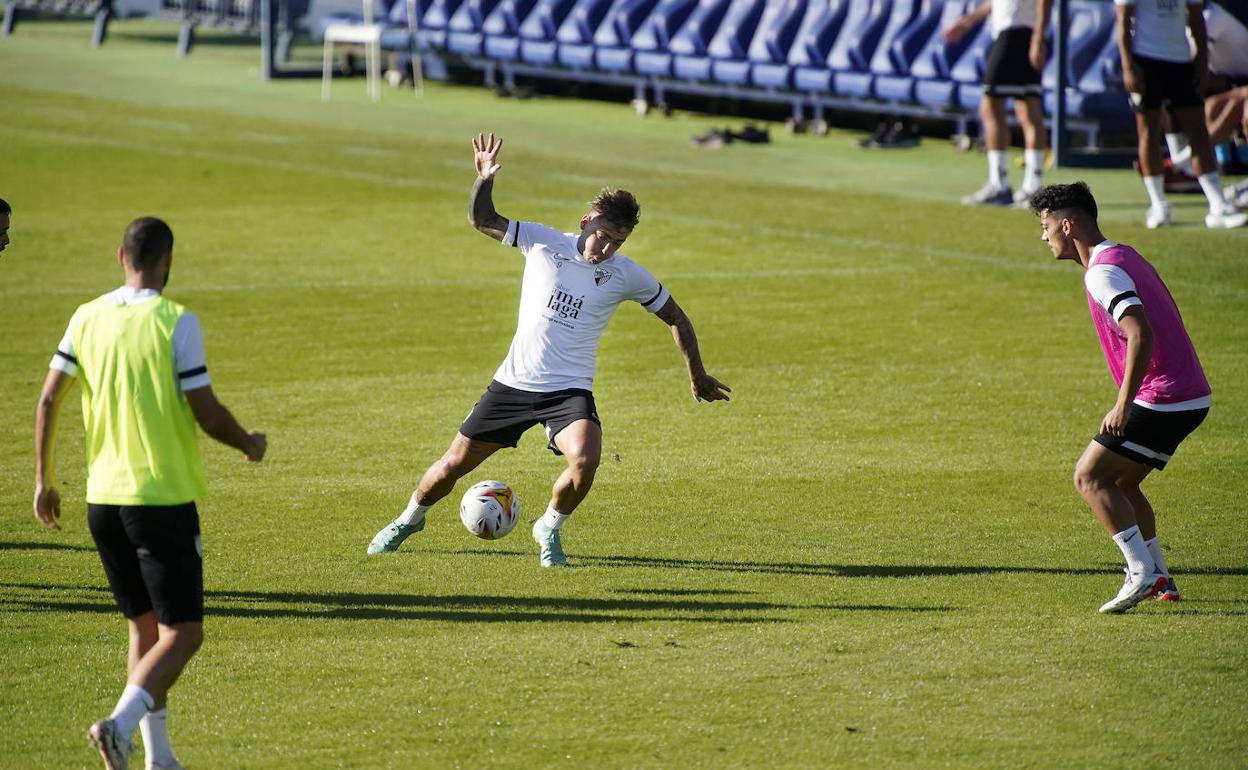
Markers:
point(33, 545)
point(843, 570)
point(466, 608)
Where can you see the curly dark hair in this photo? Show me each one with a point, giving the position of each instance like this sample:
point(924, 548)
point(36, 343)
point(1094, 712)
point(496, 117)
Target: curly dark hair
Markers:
point(1060, 197)
point(618, 207)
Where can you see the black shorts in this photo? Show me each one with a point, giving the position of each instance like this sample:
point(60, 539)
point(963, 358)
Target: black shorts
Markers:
point(1152, 436)
point(152, 557)
point(503, 414)
point(1166, 84)
point(1009, 71)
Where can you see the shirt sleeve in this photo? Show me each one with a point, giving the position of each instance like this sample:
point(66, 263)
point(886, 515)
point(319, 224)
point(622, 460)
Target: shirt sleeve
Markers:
point(1112, 289)
point(188, 354)
point(65, 359)
point(647, 291)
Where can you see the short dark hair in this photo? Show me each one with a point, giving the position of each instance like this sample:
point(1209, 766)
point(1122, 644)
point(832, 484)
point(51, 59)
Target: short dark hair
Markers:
point(618, 207)
point(1060, 197)
point(5, 208)
point(148, 240)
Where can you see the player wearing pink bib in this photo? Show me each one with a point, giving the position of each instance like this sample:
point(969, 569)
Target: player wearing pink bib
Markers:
point(1162, 391)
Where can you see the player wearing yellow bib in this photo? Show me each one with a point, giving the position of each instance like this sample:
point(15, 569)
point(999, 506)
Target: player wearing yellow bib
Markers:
point(139, 358)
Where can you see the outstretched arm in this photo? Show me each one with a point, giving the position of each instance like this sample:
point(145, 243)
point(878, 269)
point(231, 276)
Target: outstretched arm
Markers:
point(47, 499)
point(481, 213)
point(704, 386)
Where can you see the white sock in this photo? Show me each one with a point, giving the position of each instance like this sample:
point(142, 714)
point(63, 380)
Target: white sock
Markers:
point(554, 519)
point(130, 708)
point(1131, 543)
point(1213, 191)
point(1156, 191)
point(1180, 152)
point(414, 512)
point(1154, 550)
point(1033, 169)
point(997, 173)
point(155, 729)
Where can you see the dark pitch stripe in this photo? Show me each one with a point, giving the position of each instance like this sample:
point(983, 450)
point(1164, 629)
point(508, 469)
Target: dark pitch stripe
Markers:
point(193, 372)
point(1113, 303)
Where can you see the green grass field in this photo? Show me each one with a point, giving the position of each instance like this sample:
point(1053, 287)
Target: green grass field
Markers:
point(872, 557)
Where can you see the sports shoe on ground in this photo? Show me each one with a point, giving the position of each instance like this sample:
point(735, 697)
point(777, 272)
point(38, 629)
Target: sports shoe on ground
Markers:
point(1170, 593)
point(175, 766)
point(114, 747)
point(392, 536)
point(552, 549)
point(1135, 589)
point(1022, 198)
point(881, 130)
point(990, 195)
point(1237, 194)
point(1228, 218)
point(1174, 180)
point(1157, 216)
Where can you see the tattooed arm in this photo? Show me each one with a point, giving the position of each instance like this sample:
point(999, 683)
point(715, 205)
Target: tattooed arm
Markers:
point(481, 213)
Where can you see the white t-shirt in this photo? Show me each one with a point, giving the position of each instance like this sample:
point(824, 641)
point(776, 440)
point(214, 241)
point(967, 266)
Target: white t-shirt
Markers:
point(187, 343)
point(1012, 13)
point(565, 303)
point(1228, 42)
point(1161, 29)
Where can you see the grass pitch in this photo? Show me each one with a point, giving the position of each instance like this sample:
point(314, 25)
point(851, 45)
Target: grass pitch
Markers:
point(873, 557)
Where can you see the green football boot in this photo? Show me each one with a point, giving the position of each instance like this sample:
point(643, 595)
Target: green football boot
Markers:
point(552, 550)
point(392, 536)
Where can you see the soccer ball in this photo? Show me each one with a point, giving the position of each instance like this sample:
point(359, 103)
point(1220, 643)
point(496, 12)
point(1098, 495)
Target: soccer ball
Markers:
point(489, 510)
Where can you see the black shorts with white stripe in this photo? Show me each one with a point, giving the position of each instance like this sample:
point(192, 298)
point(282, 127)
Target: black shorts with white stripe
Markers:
point(1151, 436)
point(1008, 72)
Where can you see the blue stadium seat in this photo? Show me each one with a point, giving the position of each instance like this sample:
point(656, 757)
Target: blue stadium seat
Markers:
point(575, 39)
point(687, 54)
point(853, 48)
point(823, 26)
point(502, 29)
point(933, 67)
point(436, 20)
point(539, 31)
point(610, 50)
point(1093, 70)
point(968, 70)
point(768, 53)
point(729, 49)
point(653, 39)
point(463, 33)
point(898, 84)
point(857, 81)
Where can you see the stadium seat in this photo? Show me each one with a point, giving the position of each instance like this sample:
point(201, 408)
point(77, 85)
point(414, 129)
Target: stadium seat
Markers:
point(686, 57)
point(1093, 68)
point(729, 49)
point(895, 80)
point(818, 29)
point(967, 72)
point(770, 46)
point(539, 31)
point(574, 42)
point(652, 41)
point(933, 66)
point(435, 22)
point(502, 29)
point(463, 33)
point(856, 80)
point(611, 50)
point(852, 51)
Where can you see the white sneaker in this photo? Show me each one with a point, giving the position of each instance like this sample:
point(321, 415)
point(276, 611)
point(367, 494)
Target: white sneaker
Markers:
point(1157, 216)
point(1237, 194)
point(1229, 217)
point(990, 195)
point(114, 748)
point(1022, 198)
point(1135, 589)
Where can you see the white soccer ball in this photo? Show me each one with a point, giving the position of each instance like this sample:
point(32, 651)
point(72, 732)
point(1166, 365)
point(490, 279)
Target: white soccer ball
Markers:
point(489, 510)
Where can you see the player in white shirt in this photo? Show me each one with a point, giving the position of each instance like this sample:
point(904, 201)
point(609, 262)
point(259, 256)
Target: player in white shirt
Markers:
point(1008, 74)
point(1159, 69)
point(573, 283)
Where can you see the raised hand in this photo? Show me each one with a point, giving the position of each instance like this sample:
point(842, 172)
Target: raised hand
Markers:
point(485, 155)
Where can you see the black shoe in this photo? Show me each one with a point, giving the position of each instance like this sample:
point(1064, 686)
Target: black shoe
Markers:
point(752, 135)
point(900, 134)
point(877, 136)
point(714, 138)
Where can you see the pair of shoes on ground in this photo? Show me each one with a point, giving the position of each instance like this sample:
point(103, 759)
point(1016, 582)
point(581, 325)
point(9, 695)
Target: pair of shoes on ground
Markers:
point(718, 137)
point(393, 534)
point(997, 195)
point(1228, 218)
point(115, 749)
point(1137, 588)
point(886, 135)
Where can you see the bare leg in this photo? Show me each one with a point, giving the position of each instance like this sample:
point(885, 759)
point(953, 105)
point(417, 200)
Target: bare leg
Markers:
point(1224, 113)
point(581, 444)
point(1096, 478)
point(162, 664)
point(1129, 483)
point(1148, 129)
point(992, 116)
point(460, 459)
point(1030, 116)
point(1192, 122)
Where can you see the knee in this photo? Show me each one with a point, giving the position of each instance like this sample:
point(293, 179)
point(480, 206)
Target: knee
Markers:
point(1086, 482)
point(187, 637)
point(583, 465)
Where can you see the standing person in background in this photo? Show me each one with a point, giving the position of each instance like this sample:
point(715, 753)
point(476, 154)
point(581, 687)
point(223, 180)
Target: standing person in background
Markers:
point(140, 360)
point(6, 216)
point(1159, 69)
point(1009, 74)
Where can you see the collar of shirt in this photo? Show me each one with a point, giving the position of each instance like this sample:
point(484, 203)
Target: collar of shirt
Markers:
point(1098, 248)
point(128, 295)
